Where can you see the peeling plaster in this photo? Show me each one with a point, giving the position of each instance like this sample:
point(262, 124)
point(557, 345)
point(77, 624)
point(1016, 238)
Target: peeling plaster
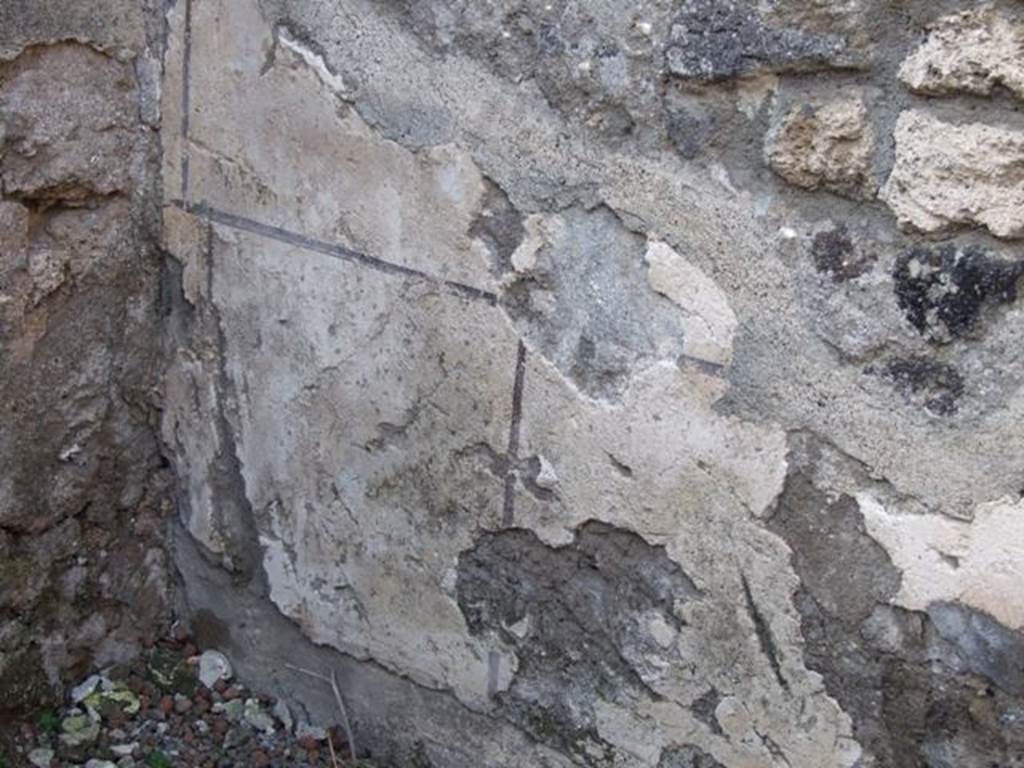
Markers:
point(979, 563)
point(464, 321)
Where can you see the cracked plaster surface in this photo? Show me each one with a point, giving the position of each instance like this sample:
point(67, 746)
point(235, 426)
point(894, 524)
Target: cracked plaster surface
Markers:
point(383, 409)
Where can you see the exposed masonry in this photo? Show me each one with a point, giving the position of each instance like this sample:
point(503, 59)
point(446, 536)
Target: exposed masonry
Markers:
point(85, 493)
point(835, 254)
point(572, 613)
point(719, 40)
point(687, 757)
point(940, 385)
point(919, 665)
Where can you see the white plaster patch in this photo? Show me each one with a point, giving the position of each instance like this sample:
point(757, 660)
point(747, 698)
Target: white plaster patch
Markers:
point(979, 563)
point(315, 62)
point(341, 486)
point(710, 324)
point(547, 478)
point(540, 230)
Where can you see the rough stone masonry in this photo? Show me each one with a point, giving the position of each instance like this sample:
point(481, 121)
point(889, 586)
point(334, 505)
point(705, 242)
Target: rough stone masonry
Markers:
point(588, 382)
point(85, 492)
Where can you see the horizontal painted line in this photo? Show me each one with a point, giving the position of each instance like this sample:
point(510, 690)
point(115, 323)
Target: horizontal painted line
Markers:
point(281, 235)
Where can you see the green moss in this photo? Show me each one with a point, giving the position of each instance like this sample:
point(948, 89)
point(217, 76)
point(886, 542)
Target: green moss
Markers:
point(172, 673)
point(111, 703)
point(158, 759)
point(49, 722)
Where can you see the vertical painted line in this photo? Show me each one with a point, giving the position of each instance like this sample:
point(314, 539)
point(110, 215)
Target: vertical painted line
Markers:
point(493, 669)
point(186, 99)
point(508, 506)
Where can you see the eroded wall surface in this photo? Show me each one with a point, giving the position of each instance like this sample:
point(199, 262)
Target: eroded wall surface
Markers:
point(85, 494)
point(603, 383)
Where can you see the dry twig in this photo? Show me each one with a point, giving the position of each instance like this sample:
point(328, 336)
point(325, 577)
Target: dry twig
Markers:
point(334, 755)
point(333, 682)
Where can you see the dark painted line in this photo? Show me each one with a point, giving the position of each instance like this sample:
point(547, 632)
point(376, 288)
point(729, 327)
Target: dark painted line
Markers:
point(186, 98)
point(288, 237)
point(186, 72)
point(468, 291)
point(704, 366)
point(184, 172)
point(508, 506)
point(764, 634)
point(515, 426)
point(517, 403)
point(493, 668)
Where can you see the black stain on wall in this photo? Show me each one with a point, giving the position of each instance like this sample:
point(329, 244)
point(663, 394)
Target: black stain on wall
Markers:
point(942, 290)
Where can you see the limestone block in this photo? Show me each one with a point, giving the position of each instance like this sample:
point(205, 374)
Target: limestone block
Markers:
point(969, 52)
point(949, 176)
point(116, 27)
point(719, 39)
point(69, 115)
point(825, 146)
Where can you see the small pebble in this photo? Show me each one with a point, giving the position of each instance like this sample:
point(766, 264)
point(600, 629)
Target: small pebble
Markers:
point(80, 692)
point(234, 737)
point(257, 717)
point(166, 705)
point(284, 715)
point(214, 667)
point(182, 704)
point(313, 731)
point(220, 726)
